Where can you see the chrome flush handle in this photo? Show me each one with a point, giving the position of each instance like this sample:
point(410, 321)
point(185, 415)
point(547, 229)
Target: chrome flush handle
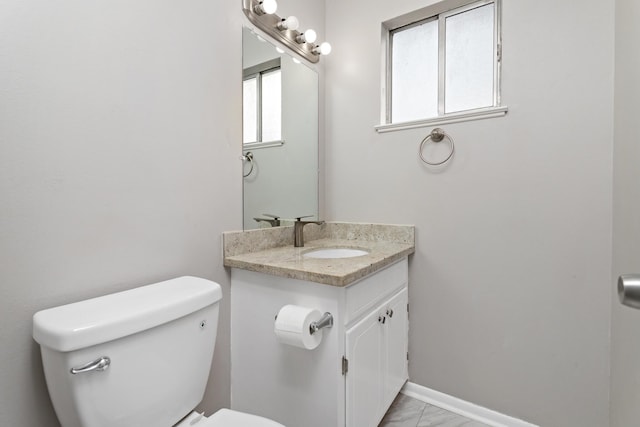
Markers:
point(100, 364)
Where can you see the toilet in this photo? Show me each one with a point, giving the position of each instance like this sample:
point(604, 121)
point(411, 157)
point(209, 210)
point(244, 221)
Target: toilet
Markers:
point(137, 358)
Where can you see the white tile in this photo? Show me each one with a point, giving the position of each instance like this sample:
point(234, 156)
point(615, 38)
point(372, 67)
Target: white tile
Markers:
point(408, 412)
point(433, 416)
point(404, 412)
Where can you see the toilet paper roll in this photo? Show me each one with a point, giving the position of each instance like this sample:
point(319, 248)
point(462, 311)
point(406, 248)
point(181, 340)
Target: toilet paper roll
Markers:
point(292, 326)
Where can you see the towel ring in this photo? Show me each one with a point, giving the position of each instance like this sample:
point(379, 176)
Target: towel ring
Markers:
point(248, 158)
point(436, 135)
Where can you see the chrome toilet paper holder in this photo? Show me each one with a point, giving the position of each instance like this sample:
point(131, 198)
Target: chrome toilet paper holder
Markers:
point(326, 321)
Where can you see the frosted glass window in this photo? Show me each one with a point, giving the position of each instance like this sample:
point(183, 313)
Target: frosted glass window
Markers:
point(262, 103)
point(250, 110)
point(414, 77)
point(442, 60)
point(271, 106)
point(470, 61)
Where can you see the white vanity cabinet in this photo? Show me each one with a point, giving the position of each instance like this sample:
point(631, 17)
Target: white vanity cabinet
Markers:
point(350, 379)
point(376, 358)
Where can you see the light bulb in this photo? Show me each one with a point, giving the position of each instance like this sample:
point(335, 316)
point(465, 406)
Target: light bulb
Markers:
point(308, 36)
point(291, 23)
point(266, 7)
point(323, 49)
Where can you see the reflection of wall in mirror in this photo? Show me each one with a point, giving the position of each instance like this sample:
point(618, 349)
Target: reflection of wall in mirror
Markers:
point(285, 178)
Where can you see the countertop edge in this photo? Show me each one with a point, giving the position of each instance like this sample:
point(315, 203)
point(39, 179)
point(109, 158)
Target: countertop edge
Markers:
point(312, 276)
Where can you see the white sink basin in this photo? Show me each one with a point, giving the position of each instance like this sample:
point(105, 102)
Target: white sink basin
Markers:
point(327, 253)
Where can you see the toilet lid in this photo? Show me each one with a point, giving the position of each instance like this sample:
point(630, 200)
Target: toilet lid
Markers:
point(229, 418)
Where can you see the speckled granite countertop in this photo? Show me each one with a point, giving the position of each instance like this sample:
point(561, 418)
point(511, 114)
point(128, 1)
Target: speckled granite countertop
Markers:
point(271, 251)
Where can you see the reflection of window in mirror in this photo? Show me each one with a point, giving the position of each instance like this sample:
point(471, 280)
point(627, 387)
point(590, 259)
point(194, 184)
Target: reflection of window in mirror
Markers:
point(262, 102)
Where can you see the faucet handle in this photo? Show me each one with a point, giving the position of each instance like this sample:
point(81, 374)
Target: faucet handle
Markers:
point(299, 218)
point(271, 216)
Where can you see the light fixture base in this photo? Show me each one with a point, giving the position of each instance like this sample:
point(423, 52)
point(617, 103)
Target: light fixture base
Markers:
point(269, 24)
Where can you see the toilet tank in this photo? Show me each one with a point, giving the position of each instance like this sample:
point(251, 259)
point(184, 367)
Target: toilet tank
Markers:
point(159, 339)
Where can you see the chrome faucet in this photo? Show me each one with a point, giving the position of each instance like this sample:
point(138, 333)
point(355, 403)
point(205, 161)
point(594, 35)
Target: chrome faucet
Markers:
point(298, 226)
point(274, 220)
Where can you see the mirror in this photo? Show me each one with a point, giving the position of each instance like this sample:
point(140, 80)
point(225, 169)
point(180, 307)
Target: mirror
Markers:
point(280, 135)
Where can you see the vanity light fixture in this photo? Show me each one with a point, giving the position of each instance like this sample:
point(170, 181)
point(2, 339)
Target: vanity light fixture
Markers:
point(262, 14)
point(290, 23)
point(267, 7)
point(323, 49)
point(308, 36)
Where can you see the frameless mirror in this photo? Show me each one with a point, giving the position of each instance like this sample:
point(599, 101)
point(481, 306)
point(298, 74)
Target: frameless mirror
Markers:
point(280, 135)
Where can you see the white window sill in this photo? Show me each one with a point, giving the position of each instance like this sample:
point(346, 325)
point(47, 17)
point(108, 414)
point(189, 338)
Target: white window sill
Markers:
point(257, 145)
point(465, 116)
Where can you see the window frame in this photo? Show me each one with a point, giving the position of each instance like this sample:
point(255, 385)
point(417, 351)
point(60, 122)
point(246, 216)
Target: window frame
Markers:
point(440, 12)
point(257, 71)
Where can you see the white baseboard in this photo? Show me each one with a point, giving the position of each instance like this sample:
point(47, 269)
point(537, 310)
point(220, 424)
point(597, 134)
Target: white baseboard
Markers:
point(462, 407)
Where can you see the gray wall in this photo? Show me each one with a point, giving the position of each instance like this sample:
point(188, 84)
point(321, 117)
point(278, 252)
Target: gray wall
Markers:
point(625, 339)
point(120, 132)
point(510, 285)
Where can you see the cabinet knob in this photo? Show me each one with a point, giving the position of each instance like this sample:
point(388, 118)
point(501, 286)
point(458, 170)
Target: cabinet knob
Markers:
point(382, 319)
point(390, 313)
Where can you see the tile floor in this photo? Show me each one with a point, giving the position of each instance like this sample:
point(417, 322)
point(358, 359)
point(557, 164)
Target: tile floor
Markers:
point(408, 412)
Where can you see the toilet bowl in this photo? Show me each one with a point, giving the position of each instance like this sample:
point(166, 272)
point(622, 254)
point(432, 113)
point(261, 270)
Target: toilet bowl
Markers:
point(136, 358)
point(227, 418)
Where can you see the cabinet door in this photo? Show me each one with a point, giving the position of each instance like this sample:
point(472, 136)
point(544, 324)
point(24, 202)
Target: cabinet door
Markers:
point(364, 379)
point(395, 340)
